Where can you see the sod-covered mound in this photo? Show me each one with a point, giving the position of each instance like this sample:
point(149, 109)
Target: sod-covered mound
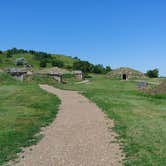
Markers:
point(129, 72)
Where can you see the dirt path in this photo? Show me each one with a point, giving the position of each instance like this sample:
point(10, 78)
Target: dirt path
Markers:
point(78, 137)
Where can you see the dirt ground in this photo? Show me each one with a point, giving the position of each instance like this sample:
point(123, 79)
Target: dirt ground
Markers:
point(81, 135)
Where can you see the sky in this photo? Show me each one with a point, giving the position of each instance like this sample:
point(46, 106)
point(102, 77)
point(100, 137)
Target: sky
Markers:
point(110, 32)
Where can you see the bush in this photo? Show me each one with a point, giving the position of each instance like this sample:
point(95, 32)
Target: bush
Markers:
point(43, 63)
point(69, 67)
point(41, 55)
point(57, 63)
point(8, 54)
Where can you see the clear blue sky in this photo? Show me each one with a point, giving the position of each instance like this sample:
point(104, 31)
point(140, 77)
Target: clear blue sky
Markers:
point(110, 32)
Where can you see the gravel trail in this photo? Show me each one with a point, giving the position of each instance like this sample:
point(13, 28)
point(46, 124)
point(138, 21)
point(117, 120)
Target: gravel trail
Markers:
point(81, 135)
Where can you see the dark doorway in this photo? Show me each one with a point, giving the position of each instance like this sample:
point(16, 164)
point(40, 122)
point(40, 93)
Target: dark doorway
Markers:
point(124, 76)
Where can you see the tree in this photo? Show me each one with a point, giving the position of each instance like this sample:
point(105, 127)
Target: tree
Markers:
point(31, 51)
point(84, 66)
point(76, 58)
point(99, 69)
point(108, 69)
point(153, 73)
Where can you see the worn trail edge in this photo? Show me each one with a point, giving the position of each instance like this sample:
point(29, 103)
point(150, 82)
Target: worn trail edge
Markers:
point(79, 136)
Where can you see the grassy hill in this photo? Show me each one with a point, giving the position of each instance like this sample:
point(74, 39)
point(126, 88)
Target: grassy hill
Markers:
point(38, 60)
point(68, 60)
point(6, 62)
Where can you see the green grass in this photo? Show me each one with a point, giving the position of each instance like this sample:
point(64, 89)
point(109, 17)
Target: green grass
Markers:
point(68, 60)
point(140, 119)
point(24, 109)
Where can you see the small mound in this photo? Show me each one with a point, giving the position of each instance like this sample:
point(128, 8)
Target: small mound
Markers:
point(54, 69)
point(131, 73)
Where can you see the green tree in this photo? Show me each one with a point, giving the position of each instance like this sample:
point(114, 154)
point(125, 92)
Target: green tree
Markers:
point(108, 69)
point(84, 66)
point(99, 69)
point(76, 58)
point(153, 73)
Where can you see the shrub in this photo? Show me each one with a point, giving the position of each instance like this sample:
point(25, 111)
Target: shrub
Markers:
point(10, 52)
point(41, 55)
point(57, 63)
point(43, 63)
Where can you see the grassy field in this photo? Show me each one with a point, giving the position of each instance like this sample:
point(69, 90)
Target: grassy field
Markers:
point(24, 109)
point(140, 120)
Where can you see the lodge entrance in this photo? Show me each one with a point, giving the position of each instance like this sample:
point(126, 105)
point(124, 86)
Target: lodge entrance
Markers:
point(124, 76)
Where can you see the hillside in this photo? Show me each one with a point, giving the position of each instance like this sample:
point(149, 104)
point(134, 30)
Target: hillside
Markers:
point(37, 60)
point(9, 61)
